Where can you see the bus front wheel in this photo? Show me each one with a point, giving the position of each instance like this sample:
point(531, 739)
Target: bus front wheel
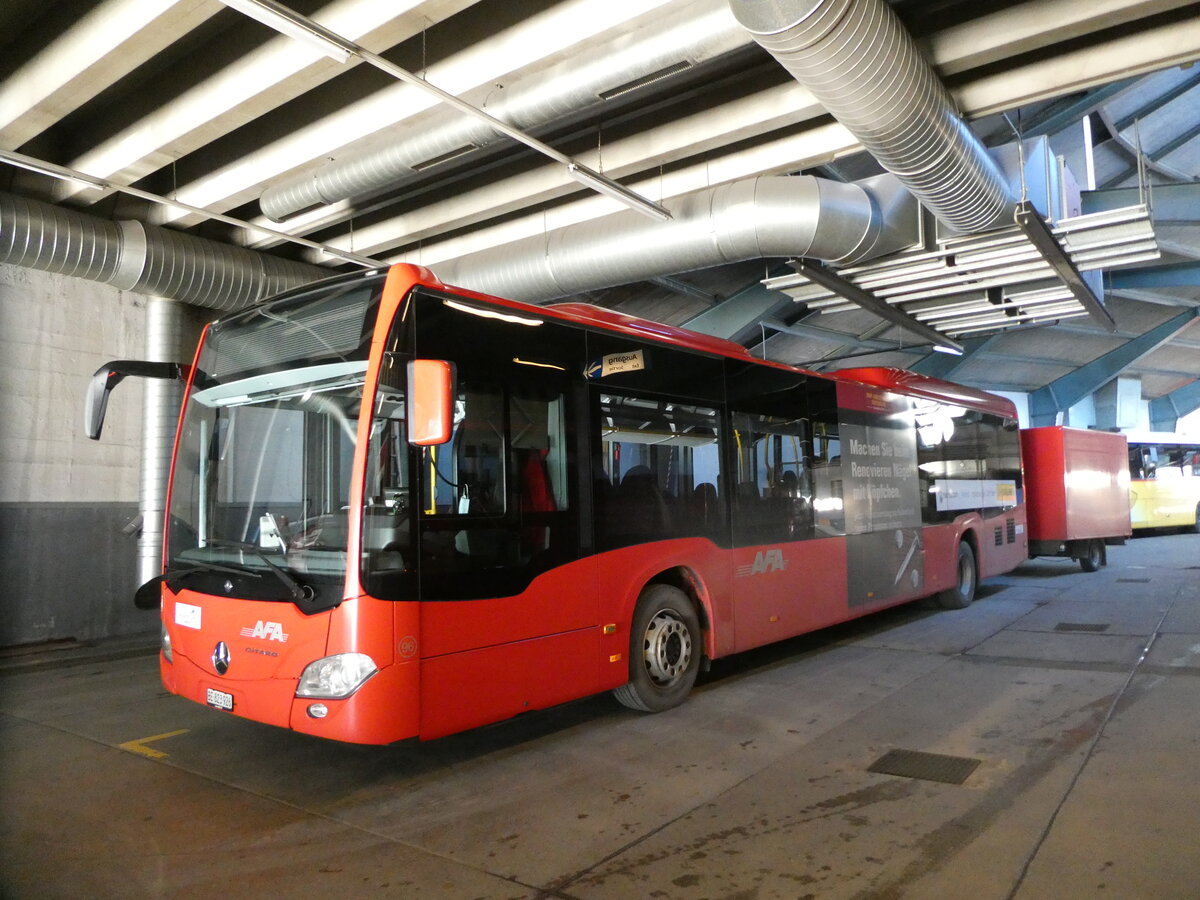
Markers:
point(664, 650)
point(963, 592)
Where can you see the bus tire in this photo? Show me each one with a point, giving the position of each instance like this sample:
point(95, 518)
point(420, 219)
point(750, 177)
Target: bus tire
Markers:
point(963, 592)
point(664, 650)
point(1093, 557)
point(1196, 524)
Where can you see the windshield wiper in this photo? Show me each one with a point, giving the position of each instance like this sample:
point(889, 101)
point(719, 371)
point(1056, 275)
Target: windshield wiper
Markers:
point(299, 592)
point(149, 595)
point(192, 567)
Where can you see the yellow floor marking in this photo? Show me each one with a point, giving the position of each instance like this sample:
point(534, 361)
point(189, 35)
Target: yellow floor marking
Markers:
point(139, 746)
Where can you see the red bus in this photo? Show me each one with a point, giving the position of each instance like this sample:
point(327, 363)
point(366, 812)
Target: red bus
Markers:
point(400, 509)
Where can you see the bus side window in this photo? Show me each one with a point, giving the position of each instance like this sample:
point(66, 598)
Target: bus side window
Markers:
point(774, 496)
point(495, 505)
point(658, 475)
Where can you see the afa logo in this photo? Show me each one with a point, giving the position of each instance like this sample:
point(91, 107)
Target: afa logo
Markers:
point(764, 561)
point(271, 631)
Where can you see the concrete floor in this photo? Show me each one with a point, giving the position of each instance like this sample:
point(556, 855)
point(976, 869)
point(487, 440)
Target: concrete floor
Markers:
point(758, 787)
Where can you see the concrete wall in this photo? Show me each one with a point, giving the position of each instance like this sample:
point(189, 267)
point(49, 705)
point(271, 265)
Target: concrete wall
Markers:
point(66, 569)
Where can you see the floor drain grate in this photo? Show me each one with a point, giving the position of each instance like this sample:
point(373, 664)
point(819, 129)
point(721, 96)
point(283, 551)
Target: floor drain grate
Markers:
point(1133, 581)
point(926, 766)
point(1094, 627)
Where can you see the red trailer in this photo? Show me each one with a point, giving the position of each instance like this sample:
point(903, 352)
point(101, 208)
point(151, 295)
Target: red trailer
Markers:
point(1076, 492)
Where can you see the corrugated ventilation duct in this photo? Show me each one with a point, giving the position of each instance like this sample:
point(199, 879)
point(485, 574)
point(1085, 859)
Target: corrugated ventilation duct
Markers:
point(857, 59)
point(166, 341)
point(142, 258)
point(751, 219)
point(703, 31)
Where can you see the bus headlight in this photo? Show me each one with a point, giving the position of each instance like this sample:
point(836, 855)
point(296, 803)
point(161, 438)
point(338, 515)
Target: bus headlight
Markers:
point(164, 641)
point(336, 677)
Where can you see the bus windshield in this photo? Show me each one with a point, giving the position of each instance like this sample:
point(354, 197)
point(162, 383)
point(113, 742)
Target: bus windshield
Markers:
point(259, 506)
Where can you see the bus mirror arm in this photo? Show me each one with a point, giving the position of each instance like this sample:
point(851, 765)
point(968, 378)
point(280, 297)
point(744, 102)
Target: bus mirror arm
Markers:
point(109, 375)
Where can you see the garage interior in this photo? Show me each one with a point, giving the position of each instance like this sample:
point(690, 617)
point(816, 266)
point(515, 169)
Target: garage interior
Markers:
point(1002, 195)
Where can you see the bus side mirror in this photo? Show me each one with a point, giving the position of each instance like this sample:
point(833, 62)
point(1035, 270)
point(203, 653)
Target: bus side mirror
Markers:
point(109, 375)
point(430, 401)
point(95, 404)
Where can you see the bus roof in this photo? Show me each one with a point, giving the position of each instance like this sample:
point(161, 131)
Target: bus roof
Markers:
point(894, 379)
point(899, 380)
point(634, 326)
point(905, 382)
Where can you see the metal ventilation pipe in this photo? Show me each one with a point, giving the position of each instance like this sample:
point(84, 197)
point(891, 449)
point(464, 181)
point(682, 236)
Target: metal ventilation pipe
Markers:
point(167, 340)
point(703, 31)
point(759, 217)
point(142, 258)
point(857, 59)
point(169, 265)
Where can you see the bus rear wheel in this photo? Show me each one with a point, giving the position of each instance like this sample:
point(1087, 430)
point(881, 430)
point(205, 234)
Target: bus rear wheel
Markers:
point(664, 650)
point(963, 592)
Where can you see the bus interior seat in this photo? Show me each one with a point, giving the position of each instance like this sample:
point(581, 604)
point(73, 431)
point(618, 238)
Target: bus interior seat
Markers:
point(642, 501)
point(705, 499)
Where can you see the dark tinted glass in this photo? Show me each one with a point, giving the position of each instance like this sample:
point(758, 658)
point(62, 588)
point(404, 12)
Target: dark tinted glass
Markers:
point(658, 471)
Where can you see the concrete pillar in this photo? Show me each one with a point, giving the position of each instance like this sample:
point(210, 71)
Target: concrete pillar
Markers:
point(1118, 404)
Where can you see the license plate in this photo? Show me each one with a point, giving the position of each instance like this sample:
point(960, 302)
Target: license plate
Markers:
point(219, 699)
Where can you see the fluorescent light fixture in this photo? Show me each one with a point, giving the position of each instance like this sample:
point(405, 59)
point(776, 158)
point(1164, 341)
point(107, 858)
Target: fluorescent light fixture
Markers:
point(290, 23)
point(21, 161)
point(938, 348)
point(608, 187)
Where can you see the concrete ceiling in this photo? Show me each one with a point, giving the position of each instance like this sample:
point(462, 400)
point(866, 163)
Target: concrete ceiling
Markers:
point(193, 101)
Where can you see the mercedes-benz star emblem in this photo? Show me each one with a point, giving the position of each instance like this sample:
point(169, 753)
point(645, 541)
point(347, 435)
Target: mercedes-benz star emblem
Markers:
point(228, 586)
point(220, 658)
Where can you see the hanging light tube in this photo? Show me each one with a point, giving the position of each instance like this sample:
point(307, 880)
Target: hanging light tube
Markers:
point(291, 23)
point(21, 161)
point(597, 182)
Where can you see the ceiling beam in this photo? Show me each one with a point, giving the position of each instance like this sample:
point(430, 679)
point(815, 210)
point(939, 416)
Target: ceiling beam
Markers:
point(828, 335)
point(1063, 114)
point(1046, 402)
point(97, 51)
point(1169, 203)
point(1186, 274)
point(272, 74)
point(954, 50)
point(1167, 410)
point(740, 313)
point(529, 43)
point(682, 287)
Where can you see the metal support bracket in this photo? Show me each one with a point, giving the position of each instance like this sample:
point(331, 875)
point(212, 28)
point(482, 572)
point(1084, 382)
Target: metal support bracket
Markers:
point(1030, 221)
point(831, 281)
